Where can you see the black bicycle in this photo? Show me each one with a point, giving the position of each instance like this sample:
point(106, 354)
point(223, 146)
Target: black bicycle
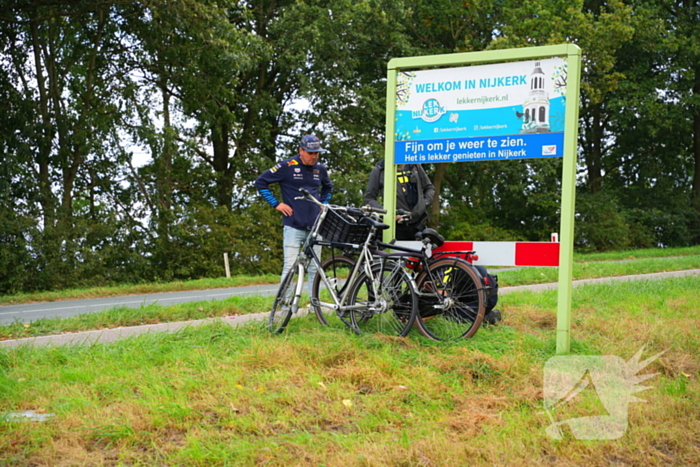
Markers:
point(451, 293)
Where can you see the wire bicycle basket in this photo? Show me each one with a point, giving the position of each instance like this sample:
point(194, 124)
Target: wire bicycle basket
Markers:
point(339, 229)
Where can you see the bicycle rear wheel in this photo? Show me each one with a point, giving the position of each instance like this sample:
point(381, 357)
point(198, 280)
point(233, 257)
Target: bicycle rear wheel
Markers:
point(287, 299)
point(394, 311)
point(452, 302)
point(337, 270)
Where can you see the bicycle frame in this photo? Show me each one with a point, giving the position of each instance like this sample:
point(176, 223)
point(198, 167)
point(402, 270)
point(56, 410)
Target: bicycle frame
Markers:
point(424, 257)
point(364, 263)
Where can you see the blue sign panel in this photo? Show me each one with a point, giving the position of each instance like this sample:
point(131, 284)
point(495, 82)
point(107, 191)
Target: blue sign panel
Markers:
point(513, 110)
point(488, 148)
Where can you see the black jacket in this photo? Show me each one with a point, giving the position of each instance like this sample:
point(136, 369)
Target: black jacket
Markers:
point(419, 179)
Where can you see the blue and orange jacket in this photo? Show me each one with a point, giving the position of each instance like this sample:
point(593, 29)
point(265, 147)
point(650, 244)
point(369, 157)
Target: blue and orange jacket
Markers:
point(292, 175)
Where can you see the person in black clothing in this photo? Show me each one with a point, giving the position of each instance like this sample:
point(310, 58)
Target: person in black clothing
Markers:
point(301, 171)
point(414, 194)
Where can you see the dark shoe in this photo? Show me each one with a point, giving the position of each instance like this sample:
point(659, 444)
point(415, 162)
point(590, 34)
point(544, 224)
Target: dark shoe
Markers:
point(493, 317)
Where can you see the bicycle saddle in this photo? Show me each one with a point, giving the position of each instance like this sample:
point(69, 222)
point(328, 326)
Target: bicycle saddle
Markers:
point(378, 225)
point(435, 238)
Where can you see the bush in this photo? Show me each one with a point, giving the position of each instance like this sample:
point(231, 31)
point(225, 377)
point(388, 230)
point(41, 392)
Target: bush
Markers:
point(14, 254)
point(600, 223)
point(482, 232)
point(252, 237)
point(667, 228)
point(604, 224)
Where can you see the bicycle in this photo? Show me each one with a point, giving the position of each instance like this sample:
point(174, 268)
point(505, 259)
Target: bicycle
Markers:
point(452, 297)
point(378, 295)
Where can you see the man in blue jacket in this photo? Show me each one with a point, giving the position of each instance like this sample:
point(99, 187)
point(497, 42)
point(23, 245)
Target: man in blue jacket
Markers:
point(301, 171)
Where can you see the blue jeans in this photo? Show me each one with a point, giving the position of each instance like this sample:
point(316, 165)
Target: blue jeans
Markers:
point(293, 240)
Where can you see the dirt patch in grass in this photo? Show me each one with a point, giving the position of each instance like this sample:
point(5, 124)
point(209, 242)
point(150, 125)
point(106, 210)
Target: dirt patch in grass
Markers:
point(525, 318)
point(471, 413)
point(679, 364)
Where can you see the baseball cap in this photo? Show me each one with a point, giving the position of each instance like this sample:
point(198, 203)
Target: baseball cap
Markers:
point(310, 143)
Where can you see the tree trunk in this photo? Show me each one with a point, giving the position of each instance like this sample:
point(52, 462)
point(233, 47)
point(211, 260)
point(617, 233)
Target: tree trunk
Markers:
point(594, 158)
point(164, 164)
point(438, 178)
point(46, 135)
point(222, 165)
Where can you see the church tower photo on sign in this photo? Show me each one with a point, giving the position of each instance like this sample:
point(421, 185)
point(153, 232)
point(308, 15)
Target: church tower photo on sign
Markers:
point(536, 115)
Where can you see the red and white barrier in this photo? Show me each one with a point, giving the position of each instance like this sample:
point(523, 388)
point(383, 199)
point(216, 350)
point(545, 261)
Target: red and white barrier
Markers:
point(504, 253)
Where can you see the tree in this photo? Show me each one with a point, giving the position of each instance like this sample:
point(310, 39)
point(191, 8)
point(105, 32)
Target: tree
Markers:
point(683, 64)
point(451, 27)
point(64, 61)
point(628, 146)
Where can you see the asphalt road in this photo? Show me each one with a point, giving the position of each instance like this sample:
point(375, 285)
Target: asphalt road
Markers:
point(67, 308)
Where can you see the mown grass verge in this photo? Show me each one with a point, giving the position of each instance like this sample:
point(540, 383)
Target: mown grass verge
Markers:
point(591, 270)
point(125, 316)
point(222, 396)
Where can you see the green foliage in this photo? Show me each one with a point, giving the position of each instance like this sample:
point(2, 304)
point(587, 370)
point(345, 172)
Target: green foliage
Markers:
point(603, 223)
point(251, 237)
point(204, 88)
point(600, 224)
point(667, 228)
point(473, 228)
point(14, 256)
point(504, 200)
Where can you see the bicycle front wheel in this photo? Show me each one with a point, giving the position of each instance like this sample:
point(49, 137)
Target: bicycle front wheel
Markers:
point(287, 300)
point(393, 311)
point(452, 300)
point(337, 270)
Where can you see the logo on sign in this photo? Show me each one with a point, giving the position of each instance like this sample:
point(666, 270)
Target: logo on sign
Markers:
point(431, 111)
point(550, 150)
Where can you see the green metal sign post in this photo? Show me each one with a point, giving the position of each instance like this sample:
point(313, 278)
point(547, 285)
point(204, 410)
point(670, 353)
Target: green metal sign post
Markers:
point(413, 136)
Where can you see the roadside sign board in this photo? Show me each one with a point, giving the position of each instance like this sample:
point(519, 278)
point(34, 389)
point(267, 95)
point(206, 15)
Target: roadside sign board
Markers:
point(490, 106)
point(513, 110)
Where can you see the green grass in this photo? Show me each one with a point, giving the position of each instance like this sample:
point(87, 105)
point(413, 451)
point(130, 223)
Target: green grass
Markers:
point(124, 316)
point(221, 396)
point(637, 254)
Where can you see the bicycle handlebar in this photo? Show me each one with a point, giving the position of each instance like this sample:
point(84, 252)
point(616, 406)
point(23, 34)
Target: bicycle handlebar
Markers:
point(363, 210)
point(403, 217)
point(368, 208)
